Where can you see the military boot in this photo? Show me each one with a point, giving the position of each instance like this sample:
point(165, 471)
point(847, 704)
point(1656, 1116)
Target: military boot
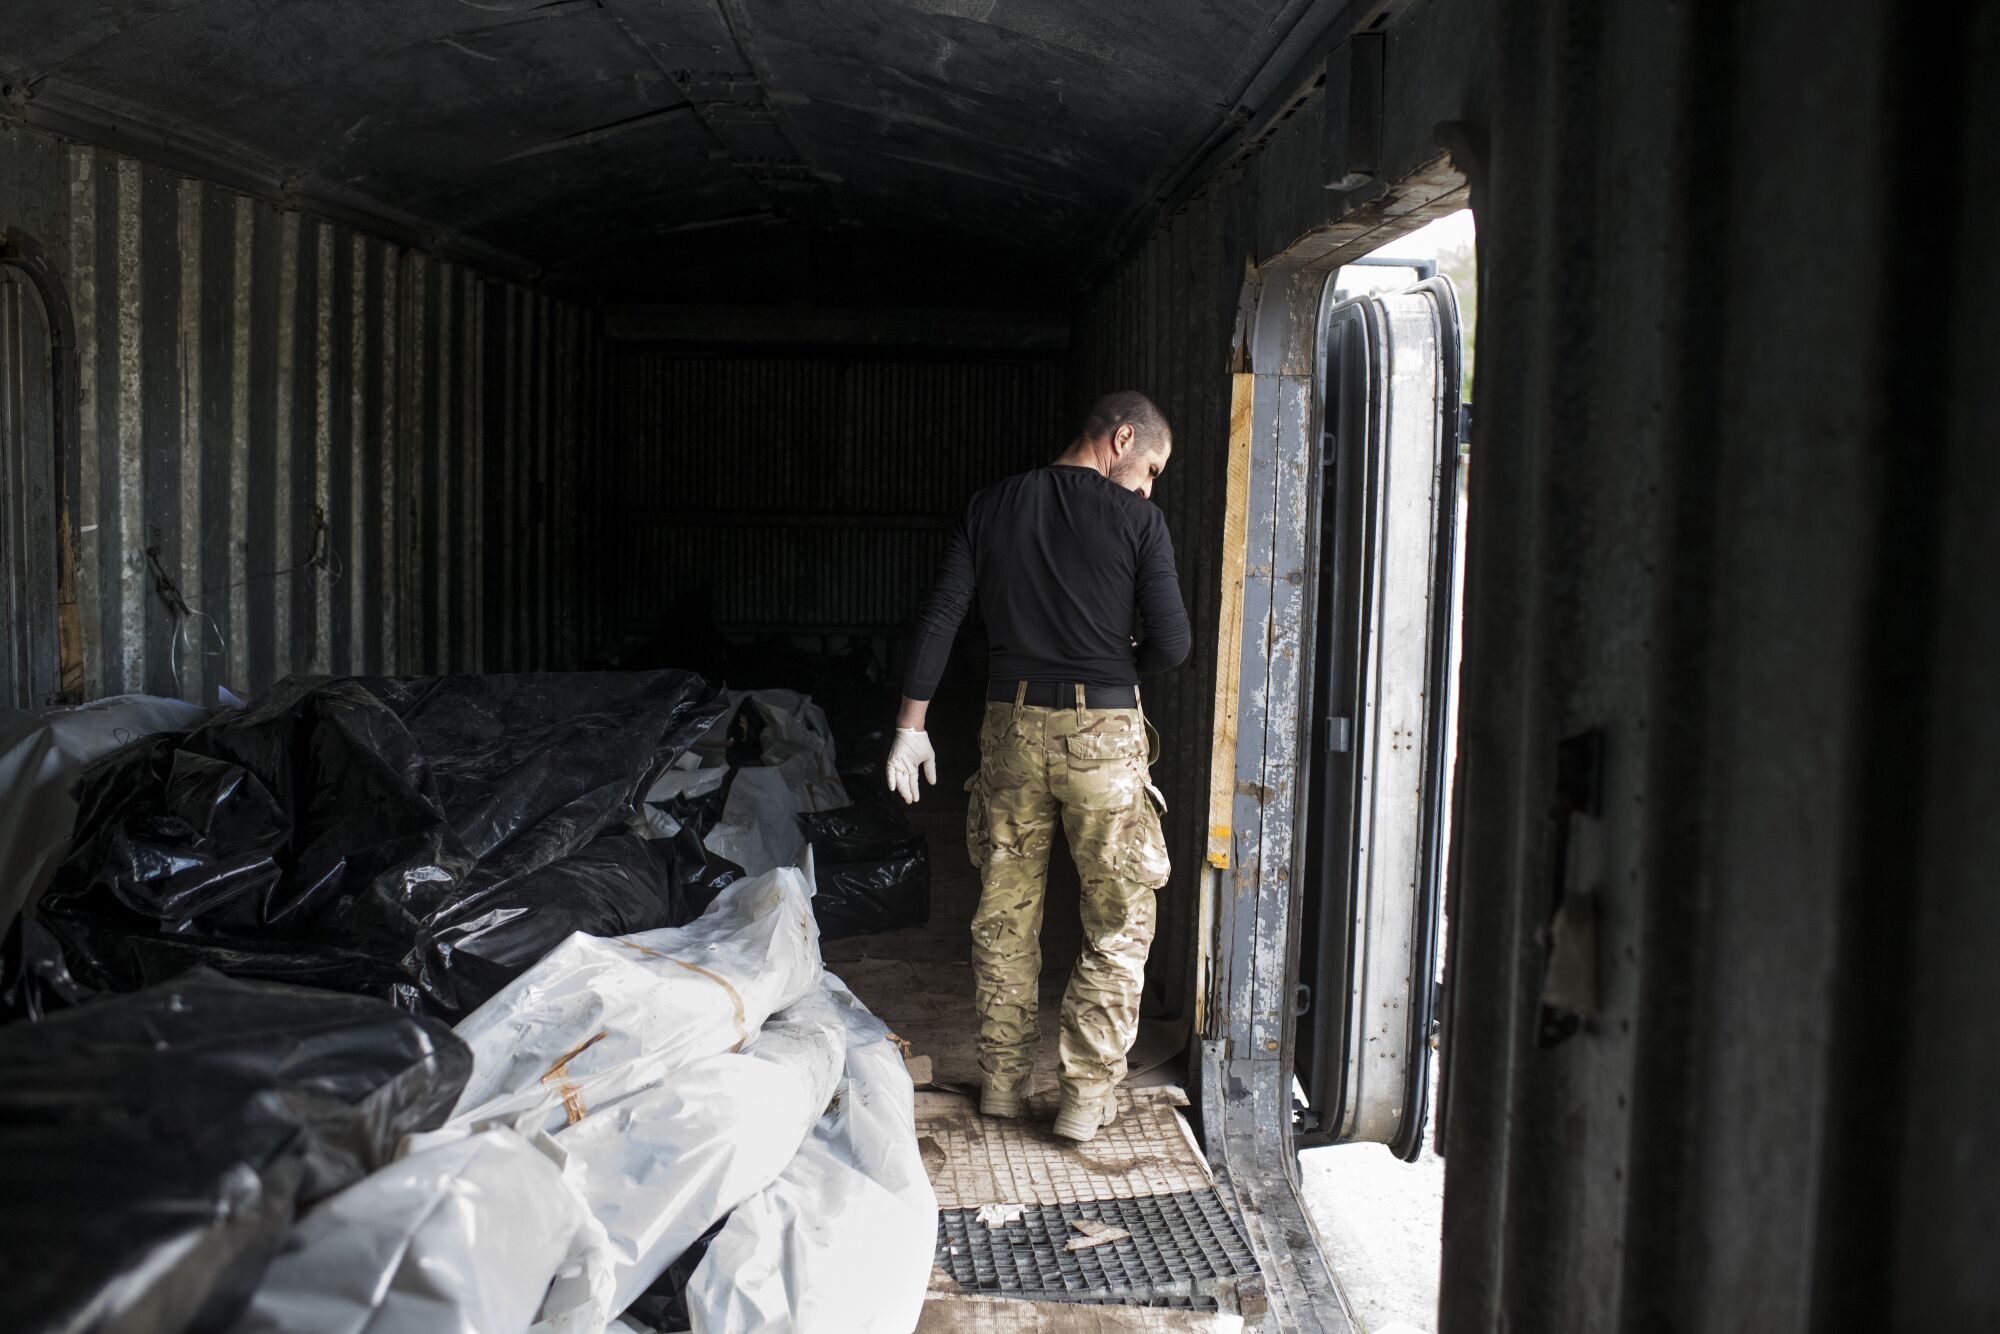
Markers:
point(1082, 1115)
point(996, 1101)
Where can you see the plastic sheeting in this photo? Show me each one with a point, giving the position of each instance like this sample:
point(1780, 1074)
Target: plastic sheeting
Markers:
point(157, 1144)
point(41, 755)
point(659, 1168)
point(601, 1018)
point(759, 828)
point(627, 1097)
point(460, 1237)
point(780, 763)
point(842, 1241)
point(676, 1073)
point(796, 737)
point(406, 838)
point(873, 870)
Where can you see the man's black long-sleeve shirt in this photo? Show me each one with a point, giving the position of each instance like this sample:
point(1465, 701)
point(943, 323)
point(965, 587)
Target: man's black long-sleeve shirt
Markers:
point(1067, 566)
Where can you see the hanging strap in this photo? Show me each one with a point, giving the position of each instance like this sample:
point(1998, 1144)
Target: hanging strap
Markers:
point(1152, 737)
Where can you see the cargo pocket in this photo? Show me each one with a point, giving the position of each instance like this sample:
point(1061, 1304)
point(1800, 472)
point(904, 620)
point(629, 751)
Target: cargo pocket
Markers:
point(1146, 859)
point(978, 832)
point(1106, 771)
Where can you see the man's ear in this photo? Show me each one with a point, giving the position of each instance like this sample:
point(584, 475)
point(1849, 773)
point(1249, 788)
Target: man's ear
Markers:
point(1122, 440)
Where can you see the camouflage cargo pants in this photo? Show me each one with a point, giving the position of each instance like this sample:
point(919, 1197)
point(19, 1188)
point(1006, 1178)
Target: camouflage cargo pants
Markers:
point(1088, 768)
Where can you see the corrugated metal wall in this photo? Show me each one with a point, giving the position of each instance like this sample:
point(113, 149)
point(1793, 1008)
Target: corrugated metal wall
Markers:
point(302, 448)
point(28, 531)
point(1162, 325)
point(810, 492)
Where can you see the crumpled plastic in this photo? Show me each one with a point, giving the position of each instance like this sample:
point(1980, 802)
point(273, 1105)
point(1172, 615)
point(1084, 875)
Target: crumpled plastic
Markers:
point(41, 754)
point(158, 1143)
point(873, 870)
point(771, 759)
point(602, 1017)
point(375, 835)
point(461, 1236)
point(759, 829)
point(661, 1166)
point(675, 1071)
point(842, 1241)
point(795, 736)
point(628, 1097)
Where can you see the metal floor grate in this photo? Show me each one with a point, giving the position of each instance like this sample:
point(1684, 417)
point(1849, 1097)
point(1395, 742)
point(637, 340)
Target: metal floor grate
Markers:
point(1185, 1250)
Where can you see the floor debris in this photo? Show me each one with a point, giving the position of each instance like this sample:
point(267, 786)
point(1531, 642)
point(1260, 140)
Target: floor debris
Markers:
point(1093, 1232)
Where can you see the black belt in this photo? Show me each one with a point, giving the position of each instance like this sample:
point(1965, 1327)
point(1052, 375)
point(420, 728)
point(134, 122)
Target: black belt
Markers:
point(1062, 694)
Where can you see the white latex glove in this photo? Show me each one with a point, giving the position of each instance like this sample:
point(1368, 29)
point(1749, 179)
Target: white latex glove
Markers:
point(911, 752)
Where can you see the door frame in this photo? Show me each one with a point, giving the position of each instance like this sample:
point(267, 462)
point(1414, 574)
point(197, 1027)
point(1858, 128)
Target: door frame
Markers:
point(1252, 894)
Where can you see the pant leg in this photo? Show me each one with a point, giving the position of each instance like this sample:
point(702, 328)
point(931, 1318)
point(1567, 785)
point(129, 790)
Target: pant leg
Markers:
point(1020, 829)
point(1121, 857)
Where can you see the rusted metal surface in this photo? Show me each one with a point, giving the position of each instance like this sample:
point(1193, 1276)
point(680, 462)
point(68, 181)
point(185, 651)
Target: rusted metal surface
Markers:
point(38, 415)
point(808, 491)
point(300, 448)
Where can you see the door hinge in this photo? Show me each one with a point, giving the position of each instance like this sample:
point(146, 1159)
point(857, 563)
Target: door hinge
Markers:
point(1339, 735)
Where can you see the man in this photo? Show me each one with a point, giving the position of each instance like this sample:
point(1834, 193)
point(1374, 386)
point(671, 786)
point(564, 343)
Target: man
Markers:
point(1075, 576)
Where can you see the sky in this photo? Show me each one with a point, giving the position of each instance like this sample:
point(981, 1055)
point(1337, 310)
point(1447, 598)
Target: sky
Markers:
point(1425, 242)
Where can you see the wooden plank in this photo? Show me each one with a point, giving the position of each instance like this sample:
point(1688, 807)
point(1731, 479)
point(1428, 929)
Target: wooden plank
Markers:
point(1229, 627)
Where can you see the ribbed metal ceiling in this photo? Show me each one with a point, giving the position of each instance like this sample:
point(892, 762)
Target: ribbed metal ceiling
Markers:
point(843, 151)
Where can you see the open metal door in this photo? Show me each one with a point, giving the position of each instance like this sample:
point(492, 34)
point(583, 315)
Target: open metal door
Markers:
point(1378, 754)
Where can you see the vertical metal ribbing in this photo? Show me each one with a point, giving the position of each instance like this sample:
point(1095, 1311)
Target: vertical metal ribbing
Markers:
point(388, 370)
point(15, 514)
point(127, 641)
point(83, 214)
point(544, 458)
point(350, 457)
point(439, 542)
point(322, 549)
point(360, 564)
point(409, 518)
point(186, 650)
point(471, 571)
point(285, 554)
point(238, 536)
point(509, 552)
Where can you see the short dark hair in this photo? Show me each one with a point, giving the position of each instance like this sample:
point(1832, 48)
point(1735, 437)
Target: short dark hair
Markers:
point(1128, 407)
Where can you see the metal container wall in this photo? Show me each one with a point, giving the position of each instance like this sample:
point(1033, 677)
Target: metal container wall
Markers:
point(302, 448)
point(809, 492)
